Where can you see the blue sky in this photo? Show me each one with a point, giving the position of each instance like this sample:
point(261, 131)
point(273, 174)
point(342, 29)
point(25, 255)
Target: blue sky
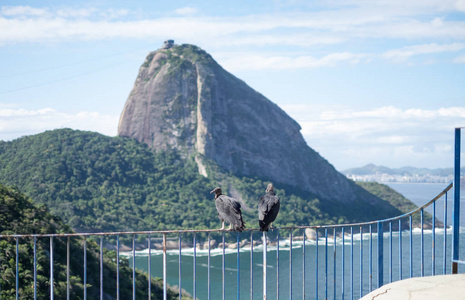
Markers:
point(369, 81)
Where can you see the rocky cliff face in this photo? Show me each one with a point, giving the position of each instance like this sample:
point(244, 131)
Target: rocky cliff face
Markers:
point(183, 100)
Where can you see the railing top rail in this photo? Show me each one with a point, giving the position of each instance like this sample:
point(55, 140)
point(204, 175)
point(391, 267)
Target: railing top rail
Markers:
point(86, 234)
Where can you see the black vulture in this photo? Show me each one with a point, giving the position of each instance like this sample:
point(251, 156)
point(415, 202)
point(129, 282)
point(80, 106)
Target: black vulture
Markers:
point(268, 208)
point(229, 210)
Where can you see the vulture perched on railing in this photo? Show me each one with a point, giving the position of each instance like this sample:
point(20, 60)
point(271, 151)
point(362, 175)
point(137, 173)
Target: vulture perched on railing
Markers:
point(268, 208)
point(229, 210)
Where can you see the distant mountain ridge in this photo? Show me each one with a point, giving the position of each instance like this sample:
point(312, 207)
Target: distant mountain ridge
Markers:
point(371, 172)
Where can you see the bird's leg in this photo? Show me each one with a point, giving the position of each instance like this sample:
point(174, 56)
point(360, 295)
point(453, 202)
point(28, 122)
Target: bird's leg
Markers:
point(222, 226)
point(230, 227)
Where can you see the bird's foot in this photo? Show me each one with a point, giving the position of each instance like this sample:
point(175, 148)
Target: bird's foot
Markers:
point(222, 226)
point(230, 227)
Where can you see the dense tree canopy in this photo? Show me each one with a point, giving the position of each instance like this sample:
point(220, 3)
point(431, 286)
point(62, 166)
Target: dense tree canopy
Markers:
point(19, 215)
point(99, 183)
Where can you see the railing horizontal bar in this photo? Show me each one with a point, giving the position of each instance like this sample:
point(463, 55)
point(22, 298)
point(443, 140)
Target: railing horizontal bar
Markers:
point(218, 230)
point(459, 261)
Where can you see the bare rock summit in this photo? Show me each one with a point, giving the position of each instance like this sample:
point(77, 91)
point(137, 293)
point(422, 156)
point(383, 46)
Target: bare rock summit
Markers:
point(185, 101)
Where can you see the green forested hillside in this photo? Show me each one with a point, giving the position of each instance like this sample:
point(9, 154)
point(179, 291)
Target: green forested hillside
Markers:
point(20, 216)
point(99, 183)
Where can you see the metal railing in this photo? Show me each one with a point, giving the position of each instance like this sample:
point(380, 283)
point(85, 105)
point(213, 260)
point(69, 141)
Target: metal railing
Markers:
point(373, 269)
point(314, 273)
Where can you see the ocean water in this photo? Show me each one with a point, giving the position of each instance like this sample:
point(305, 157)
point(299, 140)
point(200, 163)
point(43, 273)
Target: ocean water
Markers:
point(421, 193)
point(319, 273)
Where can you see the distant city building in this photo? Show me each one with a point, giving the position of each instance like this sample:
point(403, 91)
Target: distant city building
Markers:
point(383, 177)
point(168, 44)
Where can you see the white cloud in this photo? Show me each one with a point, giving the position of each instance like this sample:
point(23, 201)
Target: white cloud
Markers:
point(385, 135)
point(75, 13)
point(261, 62)
point(460, 59)
point(365, 21)
point(423, 6)
point(401, 55)
point(23, 11)
point(186, 11)
point(460, 5)
point(16, 122)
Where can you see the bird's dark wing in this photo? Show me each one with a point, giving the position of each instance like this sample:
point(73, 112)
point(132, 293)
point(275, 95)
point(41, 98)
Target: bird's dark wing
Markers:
point(273, 209)
point(221, 208)
point(262, 208)
point(229, 210)
point(268, 209)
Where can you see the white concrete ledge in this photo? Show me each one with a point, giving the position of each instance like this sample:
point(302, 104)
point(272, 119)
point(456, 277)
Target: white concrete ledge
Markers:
point(442, 287)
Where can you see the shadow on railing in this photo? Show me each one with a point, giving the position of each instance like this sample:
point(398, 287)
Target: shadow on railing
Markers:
point(326, 267)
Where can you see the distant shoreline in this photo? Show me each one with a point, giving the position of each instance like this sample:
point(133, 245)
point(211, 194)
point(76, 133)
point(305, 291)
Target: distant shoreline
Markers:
point(284, 244)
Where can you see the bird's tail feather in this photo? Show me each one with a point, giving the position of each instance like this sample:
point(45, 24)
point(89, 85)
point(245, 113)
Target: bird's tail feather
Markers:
point(263, 226)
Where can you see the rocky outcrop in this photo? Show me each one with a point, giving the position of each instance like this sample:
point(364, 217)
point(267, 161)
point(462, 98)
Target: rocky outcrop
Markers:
point(183, 100)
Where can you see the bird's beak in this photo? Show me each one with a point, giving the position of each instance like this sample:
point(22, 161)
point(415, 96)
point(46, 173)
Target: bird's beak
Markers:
point(212, 192)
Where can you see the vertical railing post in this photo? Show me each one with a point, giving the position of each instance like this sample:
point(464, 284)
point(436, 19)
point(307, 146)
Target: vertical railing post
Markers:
point(264, 264)
point(117, 267)
point(223, 267)
point(334, 264)
point(238, 268)
point(67, 270)
point(51, 269)
point(361, 261)
point(290, 265)
point(456, 210)
point(411, 245)
point(444, 256)
point(433, 241)
point(101, 267)
point(390, 252)
point(164, 268)
point(370, 260)
point(380, 254)
point(133, 267)
point(251, 265)
point(208, 264)
point(180, 266)
point(277, 265)
point(194, 271)
point(400, 249)
point(149, 270)
point(326, 263)
point(422, 247)
point(303, 265)
point(85, 267)
point(316, 264)
point(342, 263)
point(17, 268)
point(351, 262)
point(35, 268)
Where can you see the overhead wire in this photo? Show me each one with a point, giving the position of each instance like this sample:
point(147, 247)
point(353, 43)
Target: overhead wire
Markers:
point(64, 66)
point(61, 79)
point(72, 64)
